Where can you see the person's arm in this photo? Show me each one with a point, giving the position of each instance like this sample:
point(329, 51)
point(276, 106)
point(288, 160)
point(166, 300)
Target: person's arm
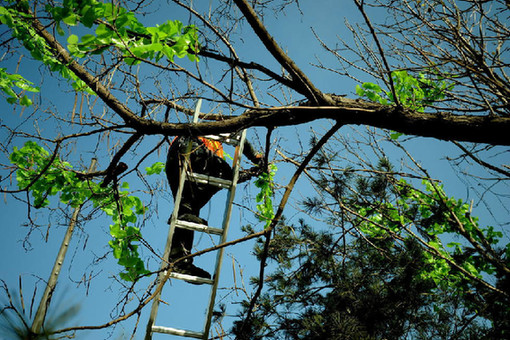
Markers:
point(255, 157)
point(250, 152)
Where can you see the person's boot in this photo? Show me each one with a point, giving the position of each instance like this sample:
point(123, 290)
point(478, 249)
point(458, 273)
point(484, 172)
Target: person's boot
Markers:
point(188, 268)
point(183, 240)
point(192, 218)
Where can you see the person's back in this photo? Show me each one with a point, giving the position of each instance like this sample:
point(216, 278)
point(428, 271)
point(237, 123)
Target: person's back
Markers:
point(205, 157)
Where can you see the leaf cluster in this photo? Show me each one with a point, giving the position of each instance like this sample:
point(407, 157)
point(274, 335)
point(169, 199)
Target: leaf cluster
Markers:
point(118, 27)
point(264, 199)
point(435, 216)
point(155, 168)
point(8, 81)
point(44, 176)
point(17, 19)
point(411, 92)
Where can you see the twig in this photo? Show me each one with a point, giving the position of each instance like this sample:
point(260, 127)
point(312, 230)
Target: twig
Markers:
point(479, 161)
point(381, 51)
point(308, 89)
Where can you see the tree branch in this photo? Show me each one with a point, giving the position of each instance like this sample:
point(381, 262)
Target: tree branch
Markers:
point(250, 66)
point(279, 213)
point(445, 126)
point(113, 170)
point(64, 57)
point(308, 89)
point(381, 50)
point(481, 162)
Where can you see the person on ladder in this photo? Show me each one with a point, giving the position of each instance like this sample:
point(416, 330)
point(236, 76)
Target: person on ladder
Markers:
point(206, 157)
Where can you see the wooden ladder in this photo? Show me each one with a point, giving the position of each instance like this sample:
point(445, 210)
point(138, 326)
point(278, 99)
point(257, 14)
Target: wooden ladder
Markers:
point(237, 140)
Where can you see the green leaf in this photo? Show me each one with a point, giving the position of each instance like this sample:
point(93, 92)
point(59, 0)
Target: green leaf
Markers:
point(395, 135)
point(73, 39)
point(71, 19)
point(371, 86)
point(88, 16)
point(155, 168)
point(60, 31)
point(25, 101)
point(102, 30)
point(193, 57)
point(88, 39)
point(471, 268)
point(131, 61)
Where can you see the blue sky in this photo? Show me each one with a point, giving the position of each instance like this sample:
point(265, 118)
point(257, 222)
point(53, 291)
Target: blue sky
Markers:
point(30, 257)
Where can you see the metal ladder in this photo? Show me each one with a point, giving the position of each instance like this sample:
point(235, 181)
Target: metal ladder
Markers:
point(237, 140)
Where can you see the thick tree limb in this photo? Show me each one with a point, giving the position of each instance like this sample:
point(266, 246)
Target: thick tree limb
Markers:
point(477, 129)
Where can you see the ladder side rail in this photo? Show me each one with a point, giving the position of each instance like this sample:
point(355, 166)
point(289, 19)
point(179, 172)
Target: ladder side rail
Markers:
point(226, 224)
point(164, 263)
point(173, 222)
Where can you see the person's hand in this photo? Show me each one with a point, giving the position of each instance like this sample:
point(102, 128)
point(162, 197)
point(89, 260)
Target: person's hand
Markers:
point(247, 174)
point(259, 158)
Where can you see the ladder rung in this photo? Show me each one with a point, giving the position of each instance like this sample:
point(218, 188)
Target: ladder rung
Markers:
point(175, 331)
point(229, 138)
point(191, 278)
point(204, 179)
point(198, 227)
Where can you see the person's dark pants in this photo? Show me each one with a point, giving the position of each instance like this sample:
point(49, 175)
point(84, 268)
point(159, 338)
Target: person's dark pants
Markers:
point(194, 195)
